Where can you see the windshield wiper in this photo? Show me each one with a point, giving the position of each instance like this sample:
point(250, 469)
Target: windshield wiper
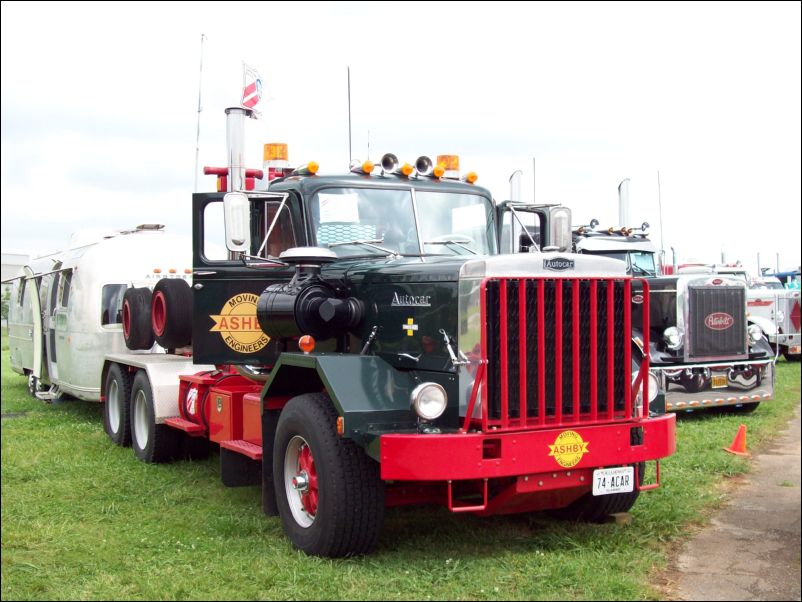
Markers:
point(368, 243)
point(451, 242)
point(640, 270)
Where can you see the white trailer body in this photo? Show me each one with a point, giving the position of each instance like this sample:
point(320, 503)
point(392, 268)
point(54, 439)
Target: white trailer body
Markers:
point(80, 291)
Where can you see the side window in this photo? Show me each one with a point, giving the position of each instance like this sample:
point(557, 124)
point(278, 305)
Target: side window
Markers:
point(282, 236)
point(214, 232)
point(111, 304)
point(533, 231)
point(66, 282)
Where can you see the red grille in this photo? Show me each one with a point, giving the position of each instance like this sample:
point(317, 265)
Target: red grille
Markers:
point(557, 352)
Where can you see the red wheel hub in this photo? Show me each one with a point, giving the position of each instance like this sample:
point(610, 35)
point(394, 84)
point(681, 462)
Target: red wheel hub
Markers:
point(126, 319)
point(158, 311)
point(308, 472)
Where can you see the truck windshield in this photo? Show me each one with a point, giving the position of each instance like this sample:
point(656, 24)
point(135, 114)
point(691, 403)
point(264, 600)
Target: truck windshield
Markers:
point(455, 224)
point(642, 263)
point(369, 221)
point(639, 263)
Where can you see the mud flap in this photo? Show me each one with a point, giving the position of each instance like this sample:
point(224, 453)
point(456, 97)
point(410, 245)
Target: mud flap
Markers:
point(269, 424)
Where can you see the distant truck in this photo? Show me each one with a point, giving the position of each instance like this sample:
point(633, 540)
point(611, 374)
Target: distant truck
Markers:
point(773, 307)
point(703, 350)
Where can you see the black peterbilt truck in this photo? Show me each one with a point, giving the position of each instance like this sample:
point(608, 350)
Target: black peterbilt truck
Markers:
point(703, 349)
point(361, 343)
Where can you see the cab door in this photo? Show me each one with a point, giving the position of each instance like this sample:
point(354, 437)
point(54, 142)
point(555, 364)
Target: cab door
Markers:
point(226, 289)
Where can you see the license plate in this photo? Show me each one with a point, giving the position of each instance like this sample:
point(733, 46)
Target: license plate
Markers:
point(720, 381)
point(613, 480)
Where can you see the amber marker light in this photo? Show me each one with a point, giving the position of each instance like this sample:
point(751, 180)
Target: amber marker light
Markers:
point(276, 151)
point(367, 167)
point(439, 171)
point(306, 343)
point(340, 426)
point(471, 177)
point(406, 169)
point(310, 169)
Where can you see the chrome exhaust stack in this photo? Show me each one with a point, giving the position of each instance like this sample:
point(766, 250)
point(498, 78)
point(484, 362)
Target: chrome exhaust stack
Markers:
point(235, 143)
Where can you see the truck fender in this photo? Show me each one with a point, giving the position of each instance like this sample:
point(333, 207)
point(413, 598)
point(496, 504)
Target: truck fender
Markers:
point(767, 326)
point(366, 391)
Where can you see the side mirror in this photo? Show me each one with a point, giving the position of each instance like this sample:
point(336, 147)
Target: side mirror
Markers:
point(560, 228)
point(237, 212)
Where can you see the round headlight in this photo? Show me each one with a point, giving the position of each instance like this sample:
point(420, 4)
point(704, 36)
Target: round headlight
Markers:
point(755, 333)
point(429, 400)
point(672, 337)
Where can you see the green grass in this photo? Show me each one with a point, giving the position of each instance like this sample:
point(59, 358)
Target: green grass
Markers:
point(83, 519)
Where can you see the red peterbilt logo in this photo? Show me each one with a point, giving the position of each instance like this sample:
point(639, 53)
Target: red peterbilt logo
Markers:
point(719, 321)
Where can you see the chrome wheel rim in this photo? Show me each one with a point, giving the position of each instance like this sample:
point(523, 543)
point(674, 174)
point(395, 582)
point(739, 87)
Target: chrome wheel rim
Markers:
point(141, 423)
point(113, 407)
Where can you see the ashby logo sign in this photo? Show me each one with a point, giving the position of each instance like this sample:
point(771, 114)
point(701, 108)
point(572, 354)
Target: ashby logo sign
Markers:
point(558, 264)
point(719, 321)
point(411, 300)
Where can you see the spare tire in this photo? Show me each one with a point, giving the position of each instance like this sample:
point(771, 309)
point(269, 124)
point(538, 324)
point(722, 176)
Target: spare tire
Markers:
point(171, 313)
point(136, 319)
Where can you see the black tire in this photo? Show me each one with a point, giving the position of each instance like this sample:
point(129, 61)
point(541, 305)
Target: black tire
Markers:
point(171, 313)
point(594, 509)
point(349, 494)
point(137, 331)
point(152, 442)
point(117, 408)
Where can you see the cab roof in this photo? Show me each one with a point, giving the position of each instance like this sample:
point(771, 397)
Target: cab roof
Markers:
point(309, 185)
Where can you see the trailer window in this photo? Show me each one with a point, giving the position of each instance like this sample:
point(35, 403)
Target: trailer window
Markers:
point(66, 281)
point(111, 304)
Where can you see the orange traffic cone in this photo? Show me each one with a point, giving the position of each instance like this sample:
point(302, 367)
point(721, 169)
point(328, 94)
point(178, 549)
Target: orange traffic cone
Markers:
point(738, 446)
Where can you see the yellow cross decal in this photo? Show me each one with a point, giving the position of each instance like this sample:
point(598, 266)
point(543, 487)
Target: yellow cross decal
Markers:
point(410, 327)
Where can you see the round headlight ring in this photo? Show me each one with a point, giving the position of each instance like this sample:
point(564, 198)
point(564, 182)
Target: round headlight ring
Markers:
point(429, 400)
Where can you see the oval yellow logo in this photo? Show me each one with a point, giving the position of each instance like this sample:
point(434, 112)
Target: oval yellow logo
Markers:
point(238, 325)
point(568, 449)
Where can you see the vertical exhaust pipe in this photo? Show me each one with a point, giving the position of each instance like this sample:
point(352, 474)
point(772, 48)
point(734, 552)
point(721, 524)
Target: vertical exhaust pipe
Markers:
point(515, 186)
point(623, 202)
point(235, 142)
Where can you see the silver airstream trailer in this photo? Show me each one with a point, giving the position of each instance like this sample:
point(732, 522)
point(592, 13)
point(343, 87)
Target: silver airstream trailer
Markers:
point(79, 295)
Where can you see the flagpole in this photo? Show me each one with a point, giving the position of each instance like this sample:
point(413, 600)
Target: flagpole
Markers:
point(200, 108)
point(349, 116)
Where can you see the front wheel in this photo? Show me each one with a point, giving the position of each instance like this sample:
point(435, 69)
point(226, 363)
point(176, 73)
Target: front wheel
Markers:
point(328, 491)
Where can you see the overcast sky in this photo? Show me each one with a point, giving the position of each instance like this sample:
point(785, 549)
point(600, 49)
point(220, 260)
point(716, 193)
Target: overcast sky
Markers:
point(100, 108)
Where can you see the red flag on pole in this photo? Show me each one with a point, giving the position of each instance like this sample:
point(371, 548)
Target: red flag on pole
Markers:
point(251, 87)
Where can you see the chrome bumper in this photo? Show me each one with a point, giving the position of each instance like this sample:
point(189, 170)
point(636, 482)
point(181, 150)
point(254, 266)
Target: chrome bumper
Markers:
point(697, 386)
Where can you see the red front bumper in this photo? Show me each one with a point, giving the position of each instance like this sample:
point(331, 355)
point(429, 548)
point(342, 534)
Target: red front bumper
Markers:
point(414, 457)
